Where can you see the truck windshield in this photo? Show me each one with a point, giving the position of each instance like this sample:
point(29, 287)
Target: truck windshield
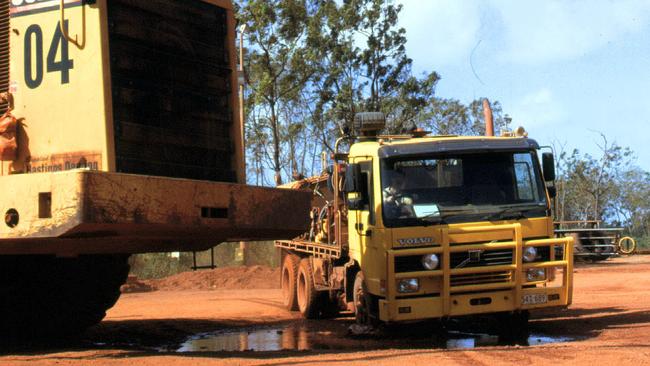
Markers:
point(461, 188)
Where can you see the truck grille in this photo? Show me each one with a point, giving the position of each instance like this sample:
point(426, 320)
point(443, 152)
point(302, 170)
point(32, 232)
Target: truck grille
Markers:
point(172, 90)
point(4, 50)
point(482, 259)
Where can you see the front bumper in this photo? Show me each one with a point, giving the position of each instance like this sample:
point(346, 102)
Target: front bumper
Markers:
point(480, 298)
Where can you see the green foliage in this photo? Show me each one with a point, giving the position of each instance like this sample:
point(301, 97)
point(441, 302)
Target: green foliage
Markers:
point(643, 243)
point(279, 66)
point(608, 188)
point(632, 204)
point(451, 117)
point(588, 187)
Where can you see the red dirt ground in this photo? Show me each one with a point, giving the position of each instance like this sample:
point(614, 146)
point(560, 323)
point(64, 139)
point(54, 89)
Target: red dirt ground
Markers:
point(609, 320)
point(231, 278)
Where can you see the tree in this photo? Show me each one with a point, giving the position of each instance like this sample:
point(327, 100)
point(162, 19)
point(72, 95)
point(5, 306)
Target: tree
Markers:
point(279, 65)
point(589, 188)
point(600, 176)
point(451, 117)
point(364, 67)
point(632, 206)
point(314, 64)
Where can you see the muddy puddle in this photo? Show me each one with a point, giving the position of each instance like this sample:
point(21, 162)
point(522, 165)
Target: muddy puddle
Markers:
point(302, 337)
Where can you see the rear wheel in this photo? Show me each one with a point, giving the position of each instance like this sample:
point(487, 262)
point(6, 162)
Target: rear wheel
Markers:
point(289, 281)
point(43, 296)
point(307, 296)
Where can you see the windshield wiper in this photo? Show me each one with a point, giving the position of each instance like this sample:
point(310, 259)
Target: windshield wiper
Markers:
point(439, 217)
point(511, 213)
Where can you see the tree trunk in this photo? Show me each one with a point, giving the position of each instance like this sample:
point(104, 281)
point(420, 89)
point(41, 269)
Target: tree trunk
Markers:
point(276, 145)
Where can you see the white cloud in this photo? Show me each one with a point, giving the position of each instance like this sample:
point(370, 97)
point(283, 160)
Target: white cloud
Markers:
point(539, 108)
point(440, 32)
point(547, 31)
point(522, 32)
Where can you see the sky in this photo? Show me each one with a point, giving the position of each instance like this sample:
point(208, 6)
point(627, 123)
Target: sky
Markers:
point(565, 70)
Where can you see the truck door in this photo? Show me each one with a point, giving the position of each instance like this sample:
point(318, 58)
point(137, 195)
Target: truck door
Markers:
point(362, 221)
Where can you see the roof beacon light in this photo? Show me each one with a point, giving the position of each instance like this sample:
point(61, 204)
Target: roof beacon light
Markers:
point(521, 132)
point(369, 123)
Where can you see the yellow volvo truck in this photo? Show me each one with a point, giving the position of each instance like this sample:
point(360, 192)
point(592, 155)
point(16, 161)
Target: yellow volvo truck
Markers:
point(120, 134)
point(416, 227)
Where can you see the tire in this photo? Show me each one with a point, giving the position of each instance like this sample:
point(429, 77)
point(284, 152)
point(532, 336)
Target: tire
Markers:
point(626, 245)
point(45, 296)
point(289, 280)
point(365, 305)
point(307, 296)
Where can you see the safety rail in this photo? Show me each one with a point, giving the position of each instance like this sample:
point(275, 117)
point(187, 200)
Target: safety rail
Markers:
point(517, 268)
point(319, 250)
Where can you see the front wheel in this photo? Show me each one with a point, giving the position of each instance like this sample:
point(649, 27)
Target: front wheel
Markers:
point(365, 305)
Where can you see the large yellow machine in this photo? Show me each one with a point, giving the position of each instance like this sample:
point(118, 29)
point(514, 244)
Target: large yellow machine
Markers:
point(421, 227)
point(121, 136)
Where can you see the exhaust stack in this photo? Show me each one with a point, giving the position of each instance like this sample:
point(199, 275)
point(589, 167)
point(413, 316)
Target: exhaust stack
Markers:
point(489, 121)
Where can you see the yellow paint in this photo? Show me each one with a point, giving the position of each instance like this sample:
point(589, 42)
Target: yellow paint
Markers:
point(76, 117)
point(61, 118)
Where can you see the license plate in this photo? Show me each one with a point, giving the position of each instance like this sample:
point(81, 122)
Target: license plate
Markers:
point(534, 299)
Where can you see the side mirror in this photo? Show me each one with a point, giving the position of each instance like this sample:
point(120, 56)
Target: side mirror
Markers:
point(552, 191)
point(353, 182)
point(548, 165)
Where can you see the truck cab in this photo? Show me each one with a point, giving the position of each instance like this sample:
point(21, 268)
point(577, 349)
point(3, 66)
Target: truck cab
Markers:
point(448, 226)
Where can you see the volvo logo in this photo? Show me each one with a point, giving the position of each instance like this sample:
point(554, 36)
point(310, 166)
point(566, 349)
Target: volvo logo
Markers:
point(474, 256)
point(415, 241)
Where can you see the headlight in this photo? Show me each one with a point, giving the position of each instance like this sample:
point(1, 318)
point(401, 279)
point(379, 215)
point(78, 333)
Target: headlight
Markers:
point(408, 285)
point(430, 261)
point(535, 274)
point(530, 254)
